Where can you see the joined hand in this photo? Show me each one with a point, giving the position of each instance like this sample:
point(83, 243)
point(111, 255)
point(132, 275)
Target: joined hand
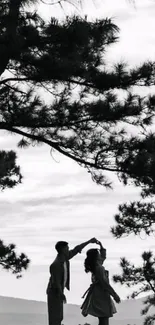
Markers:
point(94, 241)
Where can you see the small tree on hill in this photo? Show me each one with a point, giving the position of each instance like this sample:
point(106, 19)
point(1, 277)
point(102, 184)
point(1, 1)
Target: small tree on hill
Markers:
point(138, 218)
point(143, 278)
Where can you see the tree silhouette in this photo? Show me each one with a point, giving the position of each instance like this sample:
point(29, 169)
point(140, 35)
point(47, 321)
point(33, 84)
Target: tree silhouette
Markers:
point(56, 88)
point(10, 174)
point(11, 261)
point(141, 277)
point(138, 217)
point(9, 177)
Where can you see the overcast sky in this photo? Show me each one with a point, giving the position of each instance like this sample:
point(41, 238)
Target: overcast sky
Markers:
point(58, 200)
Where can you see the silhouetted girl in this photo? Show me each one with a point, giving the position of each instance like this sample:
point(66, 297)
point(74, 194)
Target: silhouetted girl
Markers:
point(98, 301)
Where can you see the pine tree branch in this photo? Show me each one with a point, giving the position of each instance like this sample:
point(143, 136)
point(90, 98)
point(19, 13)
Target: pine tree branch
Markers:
point(4, 81)
point(58, 147)
point(134, 218)
point(141, 277)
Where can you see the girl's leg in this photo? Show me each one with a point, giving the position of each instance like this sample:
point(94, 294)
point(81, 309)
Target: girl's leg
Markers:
point(103, 321)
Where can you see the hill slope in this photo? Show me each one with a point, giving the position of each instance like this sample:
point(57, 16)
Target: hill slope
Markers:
point(15, 311)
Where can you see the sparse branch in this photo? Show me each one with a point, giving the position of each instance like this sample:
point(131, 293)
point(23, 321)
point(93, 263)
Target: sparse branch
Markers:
point(57, 147)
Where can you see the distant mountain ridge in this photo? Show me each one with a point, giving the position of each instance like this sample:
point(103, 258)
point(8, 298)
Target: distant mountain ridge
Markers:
point(15, 311)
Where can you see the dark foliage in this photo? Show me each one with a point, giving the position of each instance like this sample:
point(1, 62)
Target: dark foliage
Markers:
point(79, 113)
point(143, 278)
point(56, 88)
point(9, 172)
point(11, 261)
